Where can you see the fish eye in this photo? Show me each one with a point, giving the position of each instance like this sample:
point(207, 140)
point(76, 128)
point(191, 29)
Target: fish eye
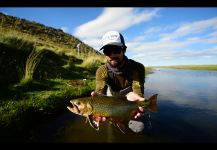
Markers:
point(78, 103)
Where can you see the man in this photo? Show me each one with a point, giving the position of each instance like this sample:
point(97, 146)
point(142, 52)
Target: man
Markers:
point(122, 76)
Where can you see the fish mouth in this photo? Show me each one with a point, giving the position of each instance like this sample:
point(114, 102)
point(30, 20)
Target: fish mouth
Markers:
point(74, 108)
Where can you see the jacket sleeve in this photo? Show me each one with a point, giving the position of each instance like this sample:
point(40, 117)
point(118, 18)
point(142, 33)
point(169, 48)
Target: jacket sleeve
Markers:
point(139, 79)
point(101, 77)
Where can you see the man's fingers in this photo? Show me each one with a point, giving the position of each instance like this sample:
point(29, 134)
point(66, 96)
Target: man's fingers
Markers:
point(94, 94)
point(137, 115)
point(99, 118)
point(131, 96)
point(140, 98)
point(103, 118)
point(141, 109)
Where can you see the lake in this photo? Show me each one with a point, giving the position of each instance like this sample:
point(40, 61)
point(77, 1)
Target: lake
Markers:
point(187, 112)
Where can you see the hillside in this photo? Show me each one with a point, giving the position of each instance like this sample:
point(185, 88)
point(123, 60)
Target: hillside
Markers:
point(19, 37)
point(42, 33)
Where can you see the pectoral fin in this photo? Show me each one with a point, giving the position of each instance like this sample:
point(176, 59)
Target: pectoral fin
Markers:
point(92, 122)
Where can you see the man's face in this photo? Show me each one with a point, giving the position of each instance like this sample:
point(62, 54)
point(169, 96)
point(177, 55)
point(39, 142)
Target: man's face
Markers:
point(114, 54)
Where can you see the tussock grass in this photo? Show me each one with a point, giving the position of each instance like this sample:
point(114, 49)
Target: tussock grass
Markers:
point(8, 34)
point(32, 62)
point(93, 62)
point(17, 42)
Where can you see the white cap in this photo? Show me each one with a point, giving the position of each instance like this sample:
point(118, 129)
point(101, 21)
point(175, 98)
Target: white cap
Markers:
point(112, 38)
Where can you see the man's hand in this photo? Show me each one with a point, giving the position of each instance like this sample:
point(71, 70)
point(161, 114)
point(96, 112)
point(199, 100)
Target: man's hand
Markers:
point(97, 94)
point(132, 96)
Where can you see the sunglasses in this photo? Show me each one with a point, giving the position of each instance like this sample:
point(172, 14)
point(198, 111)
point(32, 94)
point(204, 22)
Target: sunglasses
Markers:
point(109, 50)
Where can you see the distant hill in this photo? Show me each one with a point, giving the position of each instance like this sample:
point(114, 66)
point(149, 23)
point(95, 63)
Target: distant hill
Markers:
point(43, 32)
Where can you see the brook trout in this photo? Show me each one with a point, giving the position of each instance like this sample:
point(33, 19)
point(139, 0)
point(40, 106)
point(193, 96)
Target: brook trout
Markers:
point(115, 109)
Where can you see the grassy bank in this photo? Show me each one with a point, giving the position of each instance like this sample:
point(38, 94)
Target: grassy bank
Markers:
point(37, 80)
point(41, 70)
point(25, 106)
point(149, 70)
point(194, 67)
point(43, 98)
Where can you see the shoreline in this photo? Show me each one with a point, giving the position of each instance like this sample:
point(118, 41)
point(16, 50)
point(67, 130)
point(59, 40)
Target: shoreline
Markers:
point(192, 67)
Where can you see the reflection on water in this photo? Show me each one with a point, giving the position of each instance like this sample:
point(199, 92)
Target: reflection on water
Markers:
point(187, 112)
point(190, 88)
point(187, 105)
point(67, 130)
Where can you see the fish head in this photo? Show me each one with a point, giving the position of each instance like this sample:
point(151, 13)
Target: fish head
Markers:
point(81, 107)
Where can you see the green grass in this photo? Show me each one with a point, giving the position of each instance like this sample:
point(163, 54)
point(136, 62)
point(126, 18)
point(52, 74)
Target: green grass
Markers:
point(32, 87)
point(92, 63)
point(194, 67)
point(149, 70)
point(36, 102)
point(42, 98)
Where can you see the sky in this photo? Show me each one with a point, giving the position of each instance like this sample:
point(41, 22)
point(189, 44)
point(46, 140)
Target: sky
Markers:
point(158, 36)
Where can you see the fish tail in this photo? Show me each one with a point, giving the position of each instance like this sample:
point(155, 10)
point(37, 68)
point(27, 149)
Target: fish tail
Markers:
point(153, 103)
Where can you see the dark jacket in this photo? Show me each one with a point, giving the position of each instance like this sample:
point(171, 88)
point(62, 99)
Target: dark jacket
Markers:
point(131, 78)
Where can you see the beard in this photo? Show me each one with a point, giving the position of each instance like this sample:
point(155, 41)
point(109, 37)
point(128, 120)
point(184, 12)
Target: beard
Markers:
point(115, 62)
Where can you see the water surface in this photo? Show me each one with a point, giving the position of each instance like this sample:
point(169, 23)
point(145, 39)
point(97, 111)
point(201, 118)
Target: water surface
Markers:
point(187, 112)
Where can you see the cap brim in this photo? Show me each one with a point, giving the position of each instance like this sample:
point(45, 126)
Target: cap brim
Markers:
point(116, 44)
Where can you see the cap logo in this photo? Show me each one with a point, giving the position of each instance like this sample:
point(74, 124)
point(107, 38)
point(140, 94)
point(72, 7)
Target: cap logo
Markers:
point(111, 37)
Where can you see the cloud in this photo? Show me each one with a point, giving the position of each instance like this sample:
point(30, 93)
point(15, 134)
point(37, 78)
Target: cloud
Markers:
point(198, 41)
point(94, 42)
point(214, 34)
point(171, 54)
point(174, 42)
point(148, 34)
point(191, 28)
point(113, 19)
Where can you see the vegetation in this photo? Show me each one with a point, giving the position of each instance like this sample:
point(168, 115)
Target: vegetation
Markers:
point(40, 67)
point(149, 70)
point(37, 65)
point(194, 67)
point(32, 62)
